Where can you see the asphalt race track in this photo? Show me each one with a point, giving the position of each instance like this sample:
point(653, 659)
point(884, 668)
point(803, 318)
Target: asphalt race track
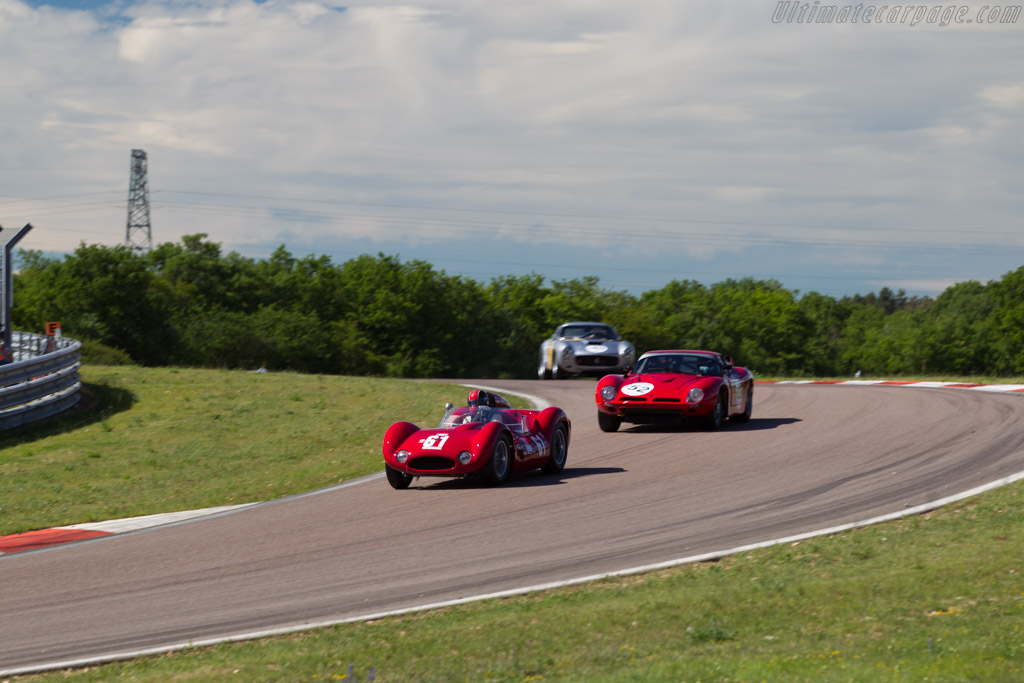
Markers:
point(812, 457)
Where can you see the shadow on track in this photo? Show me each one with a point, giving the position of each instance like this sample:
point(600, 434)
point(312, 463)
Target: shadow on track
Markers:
point(520, 480)
point(754, 425)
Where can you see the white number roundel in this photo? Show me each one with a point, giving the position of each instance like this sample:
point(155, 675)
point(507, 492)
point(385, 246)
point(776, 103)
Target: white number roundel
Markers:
point(637, 389)
point(435, 442)
point(596, 348)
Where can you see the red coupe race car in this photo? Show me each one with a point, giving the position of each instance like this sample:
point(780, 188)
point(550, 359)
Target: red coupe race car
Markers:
point(672, 386)
point(487, 437)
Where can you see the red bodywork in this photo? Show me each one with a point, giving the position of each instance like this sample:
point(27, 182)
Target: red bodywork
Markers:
point(435, 452)
point(664, 392)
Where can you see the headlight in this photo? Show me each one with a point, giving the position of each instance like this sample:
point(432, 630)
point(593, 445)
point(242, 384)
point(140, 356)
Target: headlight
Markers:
point(465, 457)
point(402, 455)
point(608, 392)
point(696, 395)
point(567, 352)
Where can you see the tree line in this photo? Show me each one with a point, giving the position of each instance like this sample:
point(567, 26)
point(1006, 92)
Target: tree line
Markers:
point(189, 304)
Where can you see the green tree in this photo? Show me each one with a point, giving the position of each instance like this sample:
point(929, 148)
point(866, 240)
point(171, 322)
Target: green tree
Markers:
point(1007, 323)
point(200, 278)
point(826, 318)
point(957, 331)
point(677, 316)
point(101, 293)
point(416, 321)
point(760, 323)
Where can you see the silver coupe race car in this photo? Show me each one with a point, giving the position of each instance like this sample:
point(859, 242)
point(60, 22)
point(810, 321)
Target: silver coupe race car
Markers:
point(584, 349)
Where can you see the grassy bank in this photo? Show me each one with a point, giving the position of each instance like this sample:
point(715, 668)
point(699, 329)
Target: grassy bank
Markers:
point(937, 597)
point(147, 440)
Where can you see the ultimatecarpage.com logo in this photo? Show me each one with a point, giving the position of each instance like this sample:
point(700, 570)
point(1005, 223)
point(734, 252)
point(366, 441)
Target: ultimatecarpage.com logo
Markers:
point(788, 12)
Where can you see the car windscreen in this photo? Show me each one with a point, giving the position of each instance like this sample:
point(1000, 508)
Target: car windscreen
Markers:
point(462, 415)
point(602, 332)
point(678, 363)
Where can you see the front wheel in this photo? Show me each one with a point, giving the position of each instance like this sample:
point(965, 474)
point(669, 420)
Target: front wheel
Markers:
point(559, 450)
point(608, 423)
point(497, 468)
point(715, 417)
point(398, 480)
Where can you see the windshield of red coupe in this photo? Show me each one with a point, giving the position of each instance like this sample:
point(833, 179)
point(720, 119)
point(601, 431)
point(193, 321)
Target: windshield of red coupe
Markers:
point(688, 364)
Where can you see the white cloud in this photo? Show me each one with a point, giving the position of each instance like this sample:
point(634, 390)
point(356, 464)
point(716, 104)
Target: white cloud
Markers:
point(556, 113)
point(1005, 95)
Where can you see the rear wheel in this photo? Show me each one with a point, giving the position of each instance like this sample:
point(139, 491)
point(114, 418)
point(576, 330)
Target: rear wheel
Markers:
point(748, 409)
point(497, 468)
point(559, 451)
point(608, 423)
point(715, 417)
point(398, 480)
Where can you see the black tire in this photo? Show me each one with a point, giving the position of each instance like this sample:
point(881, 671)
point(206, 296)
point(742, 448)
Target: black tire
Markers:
point(398, 480)
point(748, 409)
point(558, 373)
point(608, 423)
point(543, 372)
point(559, 451)
point(715, 418)
point(500, 463)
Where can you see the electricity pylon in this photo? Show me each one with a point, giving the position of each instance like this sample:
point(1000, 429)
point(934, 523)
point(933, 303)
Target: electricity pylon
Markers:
point(139, 235)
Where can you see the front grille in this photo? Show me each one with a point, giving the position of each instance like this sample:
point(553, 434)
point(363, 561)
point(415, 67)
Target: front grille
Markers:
point(650, 413)
point(641, 399)
point(598, 361)
point(654, 415)
point(431, 463)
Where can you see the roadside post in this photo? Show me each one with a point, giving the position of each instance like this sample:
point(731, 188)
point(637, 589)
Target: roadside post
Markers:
point(7, 284)
point(52, 334)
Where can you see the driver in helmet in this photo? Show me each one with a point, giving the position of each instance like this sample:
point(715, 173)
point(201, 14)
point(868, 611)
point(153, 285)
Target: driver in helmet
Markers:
point(479, 397)
point(481, 407)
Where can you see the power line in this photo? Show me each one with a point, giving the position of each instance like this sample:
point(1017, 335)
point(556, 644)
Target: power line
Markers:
point(540, 214)
point(412, 222)
point(413, 227)
point(581, 216)
point(56, 197)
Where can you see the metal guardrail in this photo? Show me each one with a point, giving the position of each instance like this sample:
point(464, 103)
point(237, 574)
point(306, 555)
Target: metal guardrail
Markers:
point(41, 381)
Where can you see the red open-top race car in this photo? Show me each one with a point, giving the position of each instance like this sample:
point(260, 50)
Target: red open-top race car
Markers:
point(672, 386)
point(487, 437)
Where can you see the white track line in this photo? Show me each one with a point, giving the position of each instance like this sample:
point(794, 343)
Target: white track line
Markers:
point(966, 386)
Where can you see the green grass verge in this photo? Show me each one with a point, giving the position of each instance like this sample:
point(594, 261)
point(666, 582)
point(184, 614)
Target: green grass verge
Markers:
point(148, 440)
point(938, 596)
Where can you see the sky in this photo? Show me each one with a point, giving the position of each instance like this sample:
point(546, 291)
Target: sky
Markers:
point(639, 143)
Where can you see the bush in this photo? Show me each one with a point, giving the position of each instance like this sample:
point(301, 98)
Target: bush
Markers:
point(98, 353)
